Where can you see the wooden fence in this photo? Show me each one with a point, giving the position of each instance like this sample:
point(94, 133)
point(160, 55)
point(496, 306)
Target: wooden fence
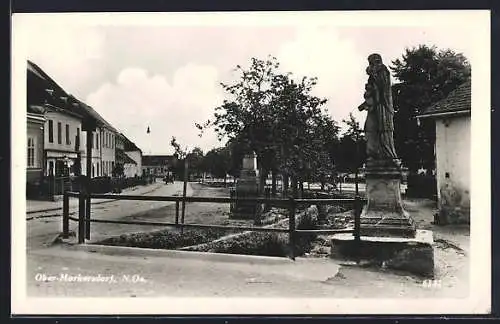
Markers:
point(84, 220)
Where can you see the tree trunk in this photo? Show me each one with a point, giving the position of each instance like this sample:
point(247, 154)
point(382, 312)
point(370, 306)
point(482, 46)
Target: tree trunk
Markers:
point(285, 185)
point(294, 187)
point(274, 184)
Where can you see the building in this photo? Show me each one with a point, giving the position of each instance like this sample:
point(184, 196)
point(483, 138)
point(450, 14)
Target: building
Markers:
point(103, 144)
point(35, 122)
point(452, 117)
point(158, 165)
point(62, 122)
point(128, 155)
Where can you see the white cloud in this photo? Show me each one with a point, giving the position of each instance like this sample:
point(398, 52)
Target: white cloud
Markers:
point(319, 51)
point(138, 100)
point(66, 52)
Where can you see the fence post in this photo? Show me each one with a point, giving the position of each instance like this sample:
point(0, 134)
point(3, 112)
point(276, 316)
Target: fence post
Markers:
point(357, 216)
point(182, 215)
point(177, 212)
point(291, 227)
point(357, 225)
point(81, 218)
point(87, 215)
point(65, 224)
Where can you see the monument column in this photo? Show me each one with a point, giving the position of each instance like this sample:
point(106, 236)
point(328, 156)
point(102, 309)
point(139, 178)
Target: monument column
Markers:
point(247, 186)
point(384, 214)
point(389, 236)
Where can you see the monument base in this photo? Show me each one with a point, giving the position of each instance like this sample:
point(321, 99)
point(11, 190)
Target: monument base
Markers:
point(246, 187)
point(384, 215)
point(413, 255)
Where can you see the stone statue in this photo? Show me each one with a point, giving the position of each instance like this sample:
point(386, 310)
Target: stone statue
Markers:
point(379, 125)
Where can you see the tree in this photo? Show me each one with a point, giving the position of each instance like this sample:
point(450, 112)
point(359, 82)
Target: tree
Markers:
point(217, 162)
point(195, 159)
point(426, 75)
point(276, 117)
point(118, 170)
point(351, 148)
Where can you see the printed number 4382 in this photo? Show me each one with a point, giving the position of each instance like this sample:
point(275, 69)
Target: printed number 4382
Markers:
point(431, 283)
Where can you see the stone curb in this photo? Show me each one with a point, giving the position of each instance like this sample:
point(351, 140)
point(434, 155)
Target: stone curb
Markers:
point(200, 256)
point(95, 203)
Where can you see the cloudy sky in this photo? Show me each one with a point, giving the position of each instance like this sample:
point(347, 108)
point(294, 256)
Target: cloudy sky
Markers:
point(163, 70)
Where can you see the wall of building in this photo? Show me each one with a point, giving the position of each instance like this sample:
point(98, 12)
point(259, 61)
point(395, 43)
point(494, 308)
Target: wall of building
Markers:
point(137, 157)
point(35, 131)
point(56, 150)
point(96, 153)
point(108, 146)
point(73, 125)
point(453, 168)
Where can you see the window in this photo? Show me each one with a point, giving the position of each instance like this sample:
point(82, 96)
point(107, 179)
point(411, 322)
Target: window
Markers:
point(97, 141)
point(78, 136)
point(31, 152)
point(59, 133)
point(67, 135)
point(51, 131)
point(97, 168)
point(112, 142)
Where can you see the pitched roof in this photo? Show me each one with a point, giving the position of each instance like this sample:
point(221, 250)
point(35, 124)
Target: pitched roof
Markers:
point(459, 100)
point(90, 112)
point(158, 159)
point(128, 145)
point(80, 108)
point(36, 109)
point(121, 156)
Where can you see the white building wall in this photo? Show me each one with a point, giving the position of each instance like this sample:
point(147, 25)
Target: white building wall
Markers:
point(137, 168)
point(67, 144)
point(73, 124)
point(96, 153)
point(108, 147)
point(453, 167)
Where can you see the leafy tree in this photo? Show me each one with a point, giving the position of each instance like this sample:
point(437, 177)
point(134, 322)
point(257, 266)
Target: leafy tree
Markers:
point(426, 75)
point(118, 170)
point(217, 162)
point(195, 159)
point(351, 148)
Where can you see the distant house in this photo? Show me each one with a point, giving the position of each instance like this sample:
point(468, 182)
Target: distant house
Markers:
point(158, 165)
point(129, 155)
point(452, 117)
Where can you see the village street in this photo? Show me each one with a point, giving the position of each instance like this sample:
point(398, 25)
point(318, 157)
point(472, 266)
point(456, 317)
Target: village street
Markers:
point(44, 227)
point(190, 274)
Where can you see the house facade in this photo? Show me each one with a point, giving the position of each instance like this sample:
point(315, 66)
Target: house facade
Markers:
point(62, 129)
point(35, 166)
point(135, 154)
point(158, 165)
point(57, 143)
point(452, 117)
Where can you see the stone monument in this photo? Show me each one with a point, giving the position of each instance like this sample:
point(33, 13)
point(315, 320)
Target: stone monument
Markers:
point(247, 186)
point(388, 233)
point(384, 214)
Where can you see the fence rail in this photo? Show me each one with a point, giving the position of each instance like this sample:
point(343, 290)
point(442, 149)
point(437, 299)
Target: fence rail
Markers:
point(291, 204)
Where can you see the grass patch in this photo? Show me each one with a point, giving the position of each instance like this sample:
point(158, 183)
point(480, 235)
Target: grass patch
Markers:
point(165, 239)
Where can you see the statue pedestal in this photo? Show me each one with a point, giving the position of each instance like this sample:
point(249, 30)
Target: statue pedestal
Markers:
point(384, 215)
point(247, 186)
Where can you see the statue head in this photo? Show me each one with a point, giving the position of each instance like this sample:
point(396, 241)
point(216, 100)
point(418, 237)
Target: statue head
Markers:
point(375, 59)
